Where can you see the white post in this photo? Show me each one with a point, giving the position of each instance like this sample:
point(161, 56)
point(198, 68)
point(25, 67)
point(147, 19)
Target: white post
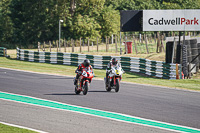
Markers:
point(112, 38)
point(59, 33)
point(120, 44)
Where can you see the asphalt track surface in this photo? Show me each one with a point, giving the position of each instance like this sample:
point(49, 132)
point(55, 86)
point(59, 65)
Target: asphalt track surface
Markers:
point(150, 102)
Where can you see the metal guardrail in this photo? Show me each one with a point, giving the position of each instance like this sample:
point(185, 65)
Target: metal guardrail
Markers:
point(129, 64)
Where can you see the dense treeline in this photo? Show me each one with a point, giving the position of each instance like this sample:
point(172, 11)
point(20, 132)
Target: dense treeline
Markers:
point(25, 22)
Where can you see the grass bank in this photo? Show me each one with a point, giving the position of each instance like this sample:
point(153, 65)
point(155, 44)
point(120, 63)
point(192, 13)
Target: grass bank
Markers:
point(191, 84)
point(10, 129)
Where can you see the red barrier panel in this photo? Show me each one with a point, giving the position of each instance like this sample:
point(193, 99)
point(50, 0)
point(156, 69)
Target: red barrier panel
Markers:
point(129, 47)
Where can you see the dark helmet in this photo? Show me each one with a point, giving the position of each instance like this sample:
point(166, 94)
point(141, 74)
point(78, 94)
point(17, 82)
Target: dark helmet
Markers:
point(114, 61)
point(86, 63)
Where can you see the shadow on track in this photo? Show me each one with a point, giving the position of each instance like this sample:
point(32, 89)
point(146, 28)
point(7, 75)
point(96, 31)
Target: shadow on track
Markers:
point(101, 92)
point(60, 94)
point(97, 91)
point(58, 78)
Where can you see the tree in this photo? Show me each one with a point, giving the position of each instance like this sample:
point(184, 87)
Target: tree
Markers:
point(93, 19)
point(27, 21)
point(85, 26)
point(5, 22)
point(180, 4)
point(85, 19)
point(37, 20)
point(109, 21)
point(121, 4)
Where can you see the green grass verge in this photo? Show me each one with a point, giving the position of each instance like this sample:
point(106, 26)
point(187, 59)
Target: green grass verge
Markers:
point(10, 129)
point(191, 84)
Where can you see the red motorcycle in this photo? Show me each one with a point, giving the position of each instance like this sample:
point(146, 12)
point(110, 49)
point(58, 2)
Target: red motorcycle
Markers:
point(84, 81)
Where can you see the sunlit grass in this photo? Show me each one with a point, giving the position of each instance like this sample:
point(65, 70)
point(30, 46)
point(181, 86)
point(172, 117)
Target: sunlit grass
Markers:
point(10, 129)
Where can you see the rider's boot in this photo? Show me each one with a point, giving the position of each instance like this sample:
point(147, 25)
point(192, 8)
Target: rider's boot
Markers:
point(106, 79)
point(75, 81)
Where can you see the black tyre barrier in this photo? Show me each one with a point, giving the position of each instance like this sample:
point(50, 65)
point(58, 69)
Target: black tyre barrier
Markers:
point(194, 52)
point(189, 54)
point(199, 52)
point(178, 53)
point(184, 60)
point(169, 51)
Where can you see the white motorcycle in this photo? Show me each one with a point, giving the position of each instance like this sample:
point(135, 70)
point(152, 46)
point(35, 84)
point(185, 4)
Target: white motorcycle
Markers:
point(114, 78)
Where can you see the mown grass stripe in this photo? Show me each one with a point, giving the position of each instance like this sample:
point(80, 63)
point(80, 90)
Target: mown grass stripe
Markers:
point(111, 115)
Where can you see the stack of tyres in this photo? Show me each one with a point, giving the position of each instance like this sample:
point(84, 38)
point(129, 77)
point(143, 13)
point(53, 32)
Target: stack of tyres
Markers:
point(169, 51)
point(189, 54)
point(184, 60)
point(199, 52)
point(194, 52)
point(178, 53)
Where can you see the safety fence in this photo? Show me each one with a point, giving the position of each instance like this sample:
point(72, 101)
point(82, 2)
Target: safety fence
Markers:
point(2, 51)
point(129, 64)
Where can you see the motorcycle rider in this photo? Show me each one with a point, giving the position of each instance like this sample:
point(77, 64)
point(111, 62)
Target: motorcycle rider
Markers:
point(86, 63)
point(113, 62)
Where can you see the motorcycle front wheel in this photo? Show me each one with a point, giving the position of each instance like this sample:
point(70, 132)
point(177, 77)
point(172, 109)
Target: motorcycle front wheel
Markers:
point(108, 87)
point(77, 91)
point(117, 85)
point(86, 87)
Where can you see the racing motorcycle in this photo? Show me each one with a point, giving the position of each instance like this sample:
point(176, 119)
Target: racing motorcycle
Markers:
point(114, 78)
point(84, 81)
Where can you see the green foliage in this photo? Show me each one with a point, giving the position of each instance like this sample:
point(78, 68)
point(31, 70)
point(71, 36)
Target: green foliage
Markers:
point(85, 26)
point(180, 4)
point(110, 21)
point(121, 4)
point(35, 21)
point(85, 19)
point(90, 7)
point(26, 22)
point(5, 22)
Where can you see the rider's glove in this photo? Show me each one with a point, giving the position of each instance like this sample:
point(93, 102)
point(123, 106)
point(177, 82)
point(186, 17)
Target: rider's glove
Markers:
point(79, 72)
point(107, 71)
point(123, 71)
point(93, 73)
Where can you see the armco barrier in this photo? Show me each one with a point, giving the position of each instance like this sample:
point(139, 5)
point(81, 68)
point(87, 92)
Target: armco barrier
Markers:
point(129, 64)
point(3, 51)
